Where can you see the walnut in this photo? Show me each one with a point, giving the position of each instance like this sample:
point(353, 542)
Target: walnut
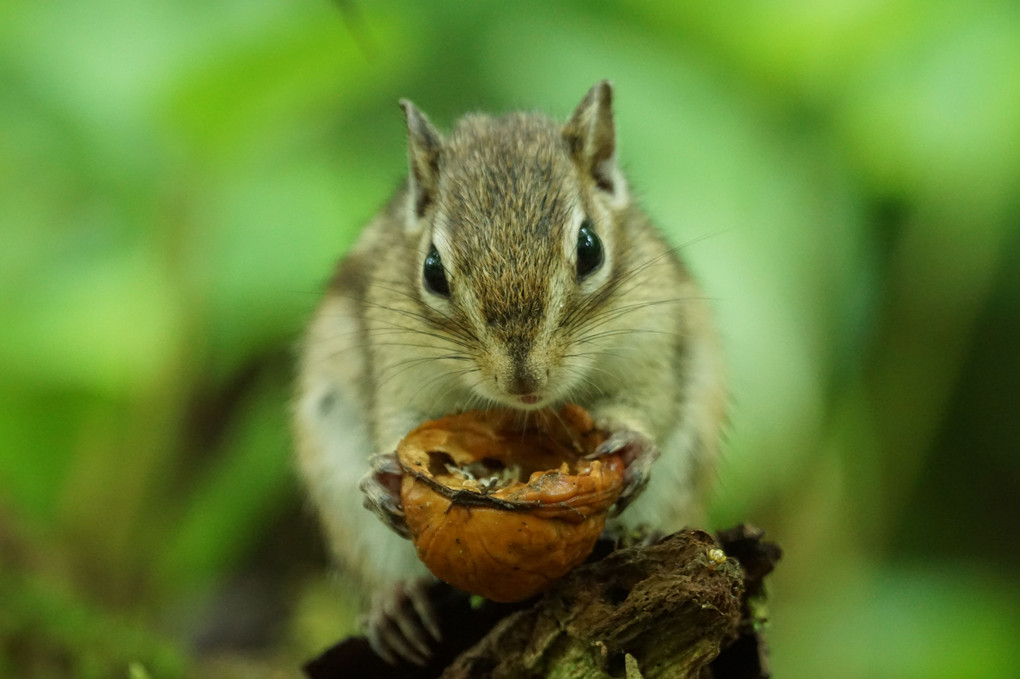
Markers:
point(502, 503)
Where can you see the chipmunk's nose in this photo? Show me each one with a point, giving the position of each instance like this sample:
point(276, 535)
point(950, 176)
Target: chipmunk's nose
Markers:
point(523, 372)
point(524, 384)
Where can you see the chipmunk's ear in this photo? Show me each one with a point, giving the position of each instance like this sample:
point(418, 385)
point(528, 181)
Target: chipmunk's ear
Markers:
point(591, 137)
point(424, 144)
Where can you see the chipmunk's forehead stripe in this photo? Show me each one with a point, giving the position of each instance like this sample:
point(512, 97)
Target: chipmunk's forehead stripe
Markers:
point(508, 175)
point(518, 316)
point(506, 197)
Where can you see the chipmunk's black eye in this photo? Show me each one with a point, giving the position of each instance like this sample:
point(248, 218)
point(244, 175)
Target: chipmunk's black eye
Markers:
point(589, 250)
point(435, 274)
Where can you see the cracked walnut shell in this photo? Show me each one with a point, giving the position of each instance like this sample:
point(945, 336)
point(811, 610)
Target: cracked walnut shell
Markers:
point(501, 504)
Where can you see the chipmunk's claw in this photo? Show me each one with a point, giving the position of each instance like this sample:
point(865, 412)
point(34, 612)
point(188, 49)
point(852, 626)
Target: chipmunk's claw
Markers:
point(381, 488)
point(402, 623)
point(638, 453)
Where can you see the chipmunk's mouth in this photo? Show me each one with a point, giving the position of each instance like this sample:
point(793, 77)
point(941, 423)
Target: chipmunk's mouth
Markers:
point(529, 401)
point(526, 401)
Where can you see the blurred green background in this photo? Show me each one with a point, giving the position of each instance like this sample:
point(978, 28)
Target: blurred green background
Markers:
point(178, 178)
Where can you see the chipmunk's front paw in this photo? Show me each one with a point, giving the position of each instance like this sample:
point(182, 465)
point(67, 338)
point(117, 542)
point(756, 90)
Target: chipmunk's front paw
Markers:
point(381, 488)
point(638, 453)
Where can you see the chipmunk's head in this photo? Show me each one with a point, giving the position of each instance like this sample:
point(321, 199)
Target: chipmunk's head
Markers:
point(518, 247)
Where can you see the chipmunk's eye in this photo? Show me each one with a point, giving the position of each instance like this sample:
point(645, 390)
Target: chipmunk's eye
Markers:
point(589, 250)
point(435, 274)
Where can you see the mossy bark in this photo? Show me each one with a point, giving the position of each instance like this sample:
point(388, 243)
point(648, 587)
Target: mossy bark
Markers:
point(669, 605)
point(673, 608)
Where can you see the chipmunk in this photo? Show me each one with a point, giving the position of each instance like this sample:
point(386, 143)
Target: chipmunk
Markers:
point(512, 269)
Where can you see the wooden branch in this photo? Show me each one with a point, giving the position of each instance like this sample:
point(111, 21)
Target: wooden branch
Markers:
point(659, 610)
